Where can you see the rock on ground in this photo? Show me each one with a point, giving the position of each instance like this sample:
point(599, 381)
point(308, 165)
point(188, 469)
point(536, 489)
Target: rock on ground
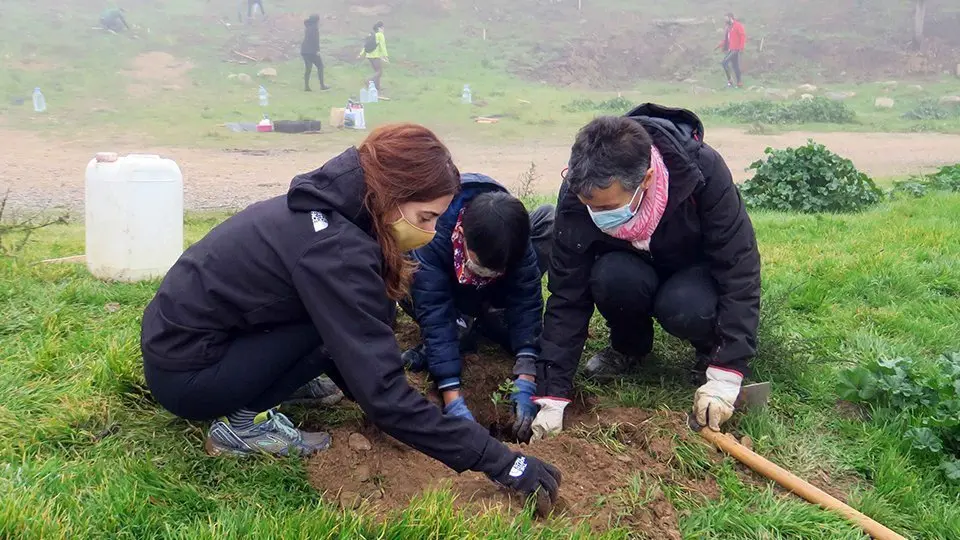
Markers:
point(950, 100)
point(883, 103)
point(267, 72)
point(244, 78)
point(807, 88)
point(806, 97)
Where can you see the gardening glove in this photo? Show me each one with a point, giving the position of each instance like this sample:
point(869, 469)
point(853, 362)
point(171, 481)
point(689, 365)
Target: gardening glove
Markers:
point(549, 420)
point(458, 407)
point(526, 410)
point(713, 402)
point(530, 476)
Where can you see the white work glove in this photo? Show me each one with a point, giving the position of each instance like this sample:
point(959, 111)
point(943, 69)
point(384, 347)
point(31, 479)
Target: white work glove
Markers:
point(549, 420)
point(713, 402)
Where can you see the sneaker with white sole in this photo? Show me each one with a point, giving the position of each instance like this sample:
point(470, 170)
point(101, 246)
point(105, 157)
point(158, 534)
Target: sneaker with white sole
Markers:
point(272, 433)
point(609, 364)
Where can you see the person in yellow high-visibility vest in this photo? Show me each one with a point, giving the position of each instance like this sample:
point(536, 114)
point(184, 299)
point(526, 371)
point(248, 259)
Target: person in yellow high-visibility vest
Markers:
point(375, 50)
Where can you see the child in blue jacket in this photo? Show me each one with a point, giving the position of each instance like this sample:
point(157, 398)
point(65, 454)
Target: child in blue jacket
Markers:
point(482, 272)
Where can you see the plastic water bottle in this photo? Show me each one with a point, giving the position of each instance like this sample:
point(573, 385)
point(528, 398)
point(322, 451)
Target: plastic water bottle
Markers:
point(372, 93)
point(264, 97)
point(364, 95)
point(39, 102)
point(466, 97)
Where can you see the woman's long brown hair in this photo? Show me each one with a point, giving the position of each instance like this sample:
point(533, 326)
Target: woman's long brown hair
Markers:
point(402, 163)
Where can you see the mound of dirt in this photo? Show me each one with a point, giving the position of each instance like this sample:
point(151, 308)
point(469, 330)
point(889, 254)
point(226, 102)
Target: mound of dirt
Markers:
point(613, 461)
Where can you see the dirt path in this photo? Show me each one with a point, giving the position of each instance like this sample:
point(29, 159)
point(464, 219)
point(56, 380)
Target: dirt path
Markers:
point(43, 175)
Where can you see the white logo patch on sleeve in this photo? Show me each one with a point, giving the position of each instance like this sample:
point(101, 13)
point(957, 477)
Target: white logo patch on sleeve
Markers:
point(319, 221)
point(518, 467)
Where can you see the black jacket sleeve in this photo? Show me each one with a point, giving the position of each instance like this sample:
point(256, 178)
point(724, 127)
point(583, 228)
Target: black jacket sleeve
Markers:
point(730, 245)
point(339, 282)
point(570, 305)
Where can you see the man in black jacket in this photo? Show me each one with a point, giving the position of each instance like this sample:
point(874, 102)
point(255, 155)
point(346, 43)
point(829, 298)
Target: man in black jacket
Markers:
point(649, 225)
point(310, 51)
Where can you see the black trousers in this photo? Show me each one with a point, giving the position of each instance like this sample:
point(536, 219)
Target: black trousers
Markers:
point(310, 60)
point(251, 3)
point(257, 372)
point(629, 293)
point(732, 60)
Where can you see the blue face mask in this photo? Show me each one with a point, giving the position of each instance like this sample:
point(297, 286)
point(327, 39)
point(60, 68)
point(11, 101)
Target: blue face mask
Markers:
point(609, 219)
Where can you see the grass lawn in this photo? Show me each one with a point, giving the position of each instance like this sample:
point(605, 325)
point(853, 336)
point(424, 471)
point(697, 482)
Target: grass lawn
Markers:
point(87, 454)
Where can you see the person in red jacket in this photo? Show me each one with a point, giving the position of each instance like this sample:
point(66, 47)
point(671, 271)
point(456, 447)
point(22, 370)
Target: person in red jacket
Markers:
point(734, 41)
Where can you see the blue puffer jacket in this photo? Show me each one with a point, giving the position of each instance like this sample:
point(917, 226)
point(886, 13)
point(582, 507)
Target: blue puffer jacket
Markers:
point(435, 286)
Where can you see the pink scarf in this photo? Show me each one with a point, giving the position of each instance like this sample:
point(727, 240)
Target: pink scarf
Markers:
point(641, 226)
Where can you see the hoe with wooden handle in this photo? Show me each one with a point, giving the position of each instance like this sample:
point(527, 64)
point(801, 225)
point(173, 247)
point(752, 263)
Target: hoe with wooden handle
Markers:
point(756, 395)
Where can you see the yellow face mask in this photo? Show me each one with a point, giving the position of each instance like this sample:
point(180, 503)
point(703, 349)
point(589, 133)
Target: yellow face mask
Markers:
point(408, 236)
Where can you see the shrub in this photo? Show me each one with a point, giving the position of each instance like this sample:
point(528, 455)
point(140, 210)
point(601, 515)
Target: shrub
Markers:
point(946, 179)
point(808, 179)
point(805, 111)
point(618, 104)
point(924, 393)
point(931, 109)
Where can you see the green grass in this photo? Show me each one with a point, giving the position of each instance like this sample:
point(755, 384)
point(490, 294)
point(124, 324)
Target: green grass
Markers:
point(87, 455)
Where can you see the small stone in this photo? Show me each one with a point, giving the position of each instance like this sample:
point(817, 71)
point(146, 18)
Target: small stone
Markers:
point(349, 500)
point(625, 459)
point(374, 495)
point(747, 442)
point(883, 103)
point(359, 443)
point(267, 72)
point(232, 76)
point(244, 78)
point(111, 307)
point(362, 474)
point(950, 100)
point(806, 97)
point(690, 81)
point(807, 88)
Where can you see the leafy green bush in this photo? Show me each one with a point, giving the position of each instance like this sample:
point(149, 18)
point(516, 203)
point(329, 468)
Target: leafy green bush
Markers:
point(805, 111)
point(946, 179)
point(928, 394)
point(808, 179)
point(931, 109)
point(618, 104)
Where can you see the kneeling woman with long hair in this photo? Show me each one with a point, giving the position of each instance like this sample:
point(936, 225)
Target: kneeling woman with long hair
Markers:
point(303, 285)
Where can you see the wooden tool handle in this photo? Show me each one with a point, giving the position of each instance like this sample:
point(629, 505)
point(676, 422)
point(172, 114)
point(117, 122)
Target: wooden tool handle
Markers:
point(796, 484)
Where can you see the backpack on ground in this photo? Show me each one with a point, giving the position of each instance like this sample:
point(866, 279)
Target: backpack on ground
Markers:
point(370, 44)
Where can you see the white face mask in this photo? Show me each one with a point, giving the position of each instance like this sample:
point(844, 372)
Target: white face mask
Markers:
point(480, 271)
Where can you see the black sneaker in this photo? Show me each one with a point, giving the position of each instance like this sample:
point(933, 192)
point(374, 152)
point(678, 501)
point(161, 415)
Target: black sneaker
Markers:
point(271, 433)
point(319, 391)
point(608, 364)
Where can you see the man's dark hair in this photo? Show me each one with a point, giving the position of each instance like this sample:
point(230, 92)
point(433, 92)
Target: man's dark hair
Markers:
point(608, 149)
point(378, 26)
point(496, 227)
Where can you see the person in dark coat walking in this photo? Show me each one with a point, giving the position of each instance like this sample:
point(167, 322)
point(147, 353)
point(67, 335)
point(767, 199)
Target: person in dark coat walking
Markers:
point(310, 51)
point(482, 273)
point(649, 226)
point(305, 284)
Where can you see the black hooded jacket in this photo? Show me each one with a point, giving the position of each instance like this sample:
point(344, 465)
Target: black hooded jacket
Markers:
point(311, 37)
point(309, 256)
point(705, 222)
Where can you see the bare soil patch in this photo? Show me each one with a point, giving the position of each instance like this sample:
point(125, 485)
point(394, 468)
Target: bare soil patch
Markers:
point(154, 71)
point(613, 461)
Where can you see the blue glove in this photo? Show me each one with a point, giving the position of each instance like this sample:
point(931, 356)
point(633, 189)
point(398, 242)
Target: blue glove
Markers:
point(525, 408)
point(458, 407)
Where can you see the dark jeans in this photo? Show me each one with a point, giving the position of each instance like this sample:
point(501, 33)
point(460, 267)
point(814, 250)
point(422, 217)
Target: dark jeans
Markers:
point(377, 65)
point(732, 59)
point(310, 60)
point(487, 303)
point(629, 294)
point(257, 372)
